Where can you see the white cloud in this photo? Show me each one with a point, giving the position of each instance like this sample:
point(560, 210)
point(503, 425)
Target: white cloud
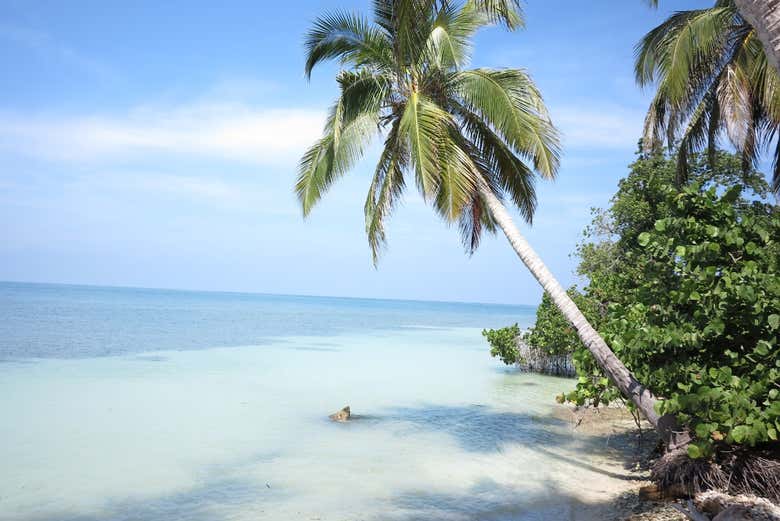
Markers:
point(216, 130)
point(608, 126)
point(177, 186)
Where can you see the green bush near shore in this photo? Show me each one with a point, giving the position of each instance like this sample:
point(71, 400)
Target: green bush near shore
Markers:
point(503, 343)
point(684, 285)
point(688, 283)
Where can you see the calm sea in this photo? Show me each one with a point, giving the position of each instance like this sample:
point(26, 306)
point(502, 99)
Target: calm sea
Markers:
point(137, 404)
point(65, 321)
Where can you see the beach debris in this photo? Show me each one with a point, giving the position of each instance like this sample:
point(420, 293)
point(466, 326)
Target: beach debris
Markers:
point(717, 506)
point(342, 415)
point(725, 507)
point(690, 512)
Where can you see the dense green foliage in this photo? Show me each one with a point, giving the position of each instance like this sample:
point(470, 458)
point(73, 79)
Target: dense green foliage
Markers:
point(551, 333)
point(705, 324)
point(552, 336)
point(503, 343)
point(685, 287)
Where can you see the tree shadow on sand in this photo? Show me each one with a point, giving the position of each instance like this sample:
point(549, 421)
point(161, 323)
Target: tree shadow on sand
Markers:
point(488, 500)
point(483, 430)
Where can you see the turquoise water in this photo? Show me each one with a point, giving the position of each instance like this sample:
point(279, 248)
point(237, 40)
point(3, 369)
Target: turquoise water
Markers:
point(62, 321)
point(124, 404)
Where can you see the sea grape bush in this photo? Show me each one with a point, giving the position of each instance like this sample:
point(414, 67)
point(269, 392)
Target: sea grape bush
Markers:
point(703, 330)
point(503, 343)
point(684, 285)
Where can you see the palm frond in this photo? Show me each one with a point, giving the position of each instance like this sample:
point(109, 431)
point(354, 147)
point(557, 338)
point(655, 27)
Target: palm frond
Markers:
point(386, 188)
point(474, 221)
point(348, 37)
point(688, 43)
point(735, 96)
point(363, 90)
point(510, 102)
point(509, 174)
point(507, 12)
point(696, 134)
point(412, 24)
point(342, 144)
point(423, 123)
point(449, 42)
point(458, 174)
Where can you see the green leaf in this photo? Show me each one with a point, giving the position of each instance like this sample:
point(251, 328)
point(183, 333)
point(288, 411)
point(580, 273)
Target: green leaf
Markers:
point(644, 239)
point(740, 433)
point(774, 321)
point(703, 430)
point(694, 452)
point(763, 347)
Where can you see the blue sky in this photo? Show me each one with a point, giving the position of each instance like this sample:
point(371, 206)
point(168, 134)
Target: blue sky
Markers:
point(155, 143)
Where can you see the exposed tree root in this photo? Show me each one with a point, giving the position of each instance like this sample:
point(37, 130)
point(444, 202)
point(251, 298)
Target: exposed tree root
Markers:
point(753, 472)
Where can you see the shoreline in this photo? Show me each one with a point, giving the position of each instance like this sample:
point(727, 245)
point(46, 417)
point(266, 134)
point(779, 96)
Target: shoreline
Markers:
point(629, 453)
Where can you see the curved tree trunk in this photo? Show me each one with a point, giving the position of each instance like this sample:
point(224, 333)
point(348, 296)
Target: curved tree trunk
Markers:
point(764, 16)
point(608, 362)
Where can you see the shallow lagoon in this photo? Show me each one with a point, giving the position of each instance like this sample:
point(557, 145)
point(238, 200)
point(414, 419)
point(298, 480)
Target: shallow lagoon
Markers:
point(234, 433)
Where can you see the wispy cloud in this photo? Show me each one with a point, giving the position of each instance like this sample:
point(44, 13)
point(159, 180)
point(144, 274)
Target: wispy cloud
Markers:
point(218, 130)
point(48, 47)
point(608, 126)
point(178, 186)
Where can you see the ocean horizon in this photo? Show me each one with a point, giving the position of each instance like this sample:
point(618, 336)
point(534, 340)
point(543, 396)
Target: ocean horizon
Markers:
point(254, 293)
point(44, 320)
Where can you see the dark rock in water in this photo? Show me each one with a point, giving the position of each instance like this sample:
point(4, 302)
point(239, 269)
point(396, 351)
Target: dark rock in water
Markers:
point(342, 415)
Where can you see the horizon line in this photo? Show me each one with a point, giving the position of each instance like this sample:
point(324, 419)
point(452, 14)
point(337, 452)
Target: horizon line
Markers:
point(260, 293)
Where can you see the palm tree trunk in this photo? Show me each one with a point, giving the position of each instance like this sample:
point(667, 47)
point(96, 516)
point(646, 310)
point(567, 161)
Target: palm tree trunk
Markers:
point(764, 16)
point(606, 359)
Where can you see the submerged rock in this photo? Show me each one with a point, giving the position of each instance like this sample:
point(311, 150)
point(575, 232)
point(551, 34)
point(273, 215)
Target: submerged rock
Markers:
point(342, 415)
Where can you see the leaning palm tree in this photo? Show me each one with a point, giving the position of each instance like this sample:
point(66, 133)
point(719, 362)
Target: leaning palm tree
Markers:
point(712, 79)
point(469, 139)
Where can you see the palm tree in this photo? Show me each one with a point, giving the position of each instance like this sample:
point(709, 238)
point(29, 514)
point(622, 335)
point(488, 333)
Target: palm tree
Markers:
point(712, 78)
point(469, 138)
point(764, 17)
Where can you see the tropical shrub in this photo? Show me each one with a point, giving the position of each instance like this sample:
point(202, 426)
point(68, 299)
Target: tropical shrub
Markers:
point(687, 290)
point(546, 348)
point(503, 343)
point(552, 334)
point(703, 328)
